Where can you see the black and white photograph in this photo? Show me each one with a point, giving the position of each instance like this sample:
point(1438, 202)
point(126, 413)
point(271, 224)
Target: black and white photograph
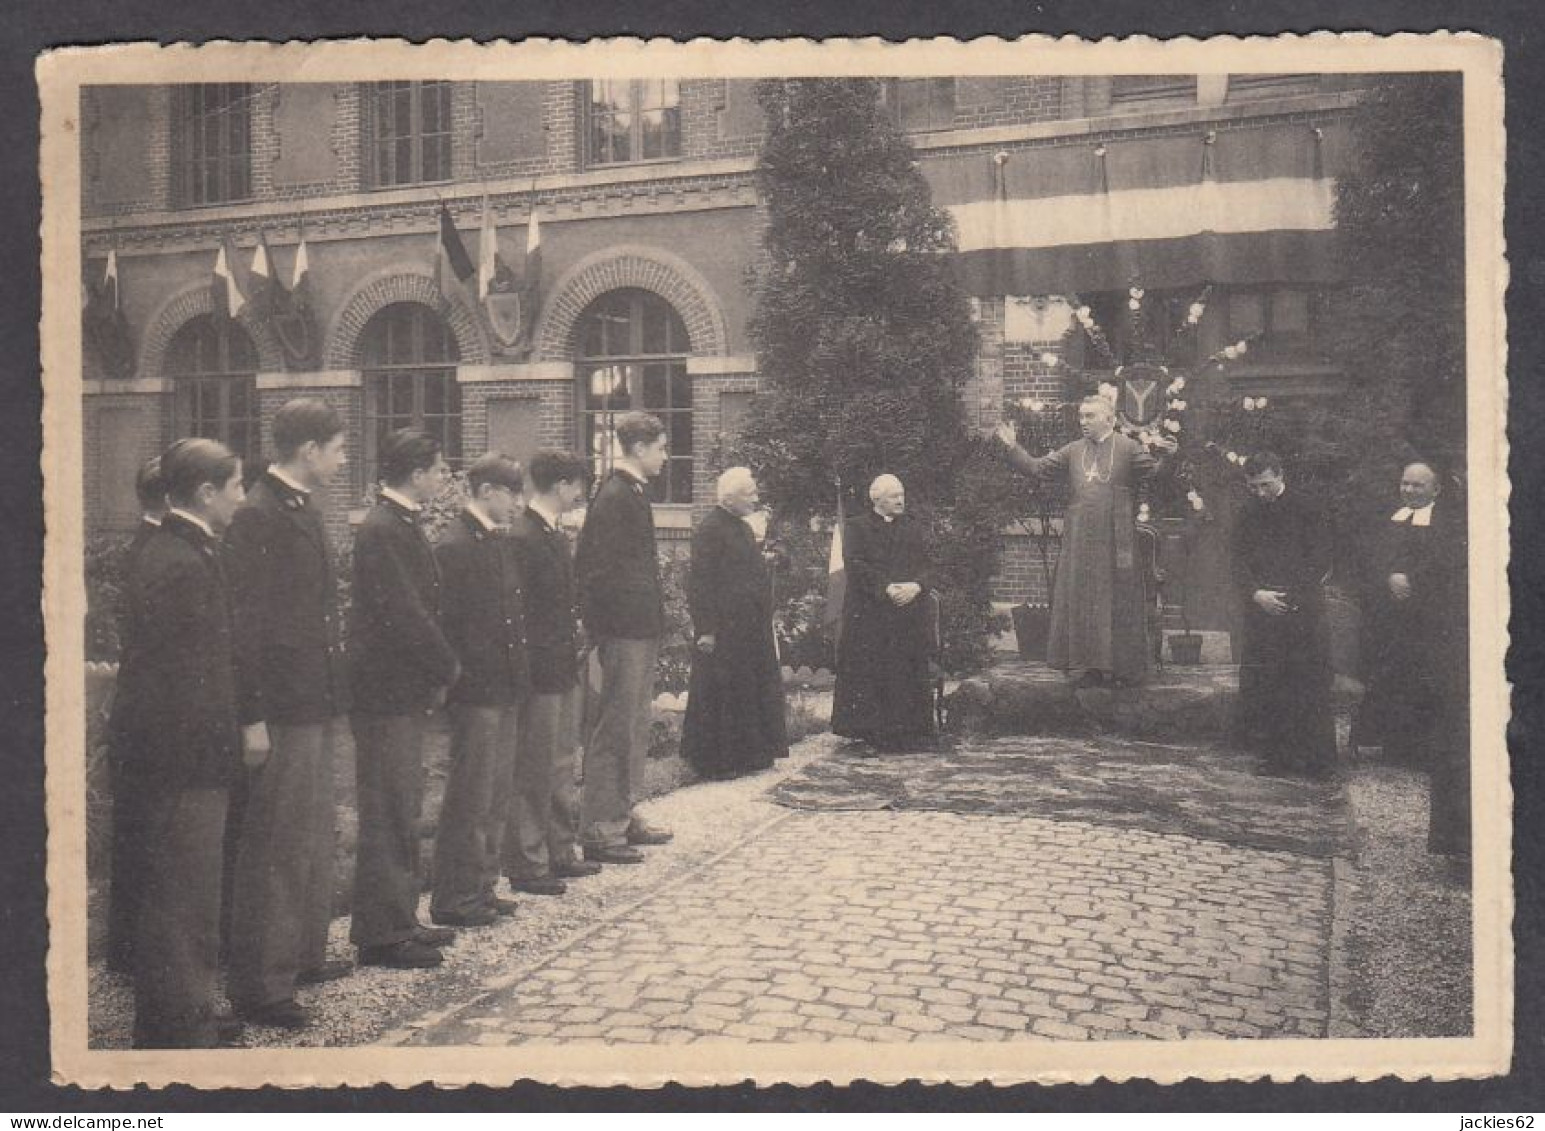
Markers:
point(642, 562)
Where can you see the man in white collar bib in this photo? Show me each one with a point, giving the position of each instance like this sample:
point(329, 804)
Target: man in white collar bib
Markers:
point(1416, 691)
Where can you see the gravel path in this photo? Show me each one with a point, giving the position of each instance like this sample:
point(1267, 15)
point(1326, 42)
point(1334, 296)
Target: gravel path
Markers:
point(1408, 948)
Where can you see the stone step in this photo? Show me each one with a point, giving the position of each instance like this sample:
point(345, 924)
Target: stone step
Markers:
point(1177, 704)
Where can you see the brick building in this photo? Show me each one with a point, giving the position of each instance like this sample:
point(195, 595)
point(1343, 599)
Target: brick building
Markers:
point(649, 223)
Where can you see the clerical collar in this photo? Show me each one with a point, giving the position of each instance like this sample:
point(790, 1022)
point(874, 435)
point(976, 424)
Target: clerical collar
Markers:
point(1416, 516)
point(189, 516)
point(152, 519)
point(886, 517)
point(633, 475)
point(483, 520)
point(549, 517)
point(273, 469)
point(401, 500)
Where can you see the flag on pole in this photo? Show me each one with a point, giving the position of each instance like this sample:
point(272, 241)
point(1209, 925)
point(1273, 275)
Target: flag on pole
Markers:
point(289, 310)
point(451, 259)
point(261, 281)
point(836, 579)
point(532, 277)
point(498, 289)
point(106, 328)
point(229, 300)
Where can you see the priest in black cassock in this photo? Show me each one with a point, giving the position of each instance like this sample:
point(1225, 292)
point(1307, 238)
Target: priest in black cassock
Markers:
point(735, 718)
point(883, 694)
point(1282, 557)
point(1416, 705)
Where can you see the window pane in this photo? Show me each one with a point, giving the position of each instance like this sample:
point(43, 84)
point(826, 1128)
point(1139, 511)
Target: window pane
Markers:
point(679, 425)
point(656, 387)
point(681, 387)
point(435, 396)
point(1290, 313)
point(1246, 314)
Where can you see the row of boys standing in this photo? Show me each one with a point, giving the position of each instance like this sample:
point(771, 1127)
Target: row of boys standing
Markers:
point(232, 654)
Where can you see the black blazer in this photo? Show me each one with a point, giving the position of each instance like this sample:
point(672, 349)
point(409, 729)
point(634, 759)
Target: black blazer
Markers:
point(398, 655)
point(285, 603)
point(552, 616)
point(177, 683)
point(727, 588)
point(482, 610)
point(618, 570)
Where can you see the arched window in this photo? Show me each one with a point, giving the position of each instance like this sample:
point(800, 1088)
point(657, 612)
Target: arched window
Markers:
point(214, 364)
point(410, 358)
point(633, 356)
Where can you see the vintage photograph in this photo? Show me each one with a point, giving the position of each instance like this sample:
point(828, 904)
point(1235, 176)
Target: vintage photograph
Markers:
point(637, 562)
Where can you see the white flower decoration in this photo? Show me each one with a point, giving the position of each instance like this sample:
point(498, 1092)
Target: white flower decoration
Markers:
point(1172, 426)
point(1249, 404)
point(1196, 503)
point(1134, 304)
point(1230, 352)
point(1260, 402)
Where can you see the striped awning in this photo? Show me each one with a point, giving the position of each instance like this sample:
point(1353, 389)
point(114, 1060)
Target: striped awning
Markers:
point(1242, 206)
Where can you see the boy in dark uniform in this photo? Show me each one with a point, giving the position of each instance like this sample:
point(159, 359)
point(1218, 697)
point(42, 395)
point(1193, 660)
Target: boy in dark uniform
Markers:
point(539, 847)
point(287, 631)
point(624, 613)
point(399, 664)
point(180, 722)
point(483, 613)
point(128, 836)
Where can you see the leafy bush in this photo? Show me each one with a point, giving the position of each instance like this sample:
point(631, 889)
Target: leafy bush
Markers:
point(864, 342)
point(105, 557)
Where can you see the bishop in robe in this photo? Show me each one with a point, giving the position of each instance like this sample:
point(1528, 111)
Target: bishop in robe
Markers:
point(1098, 627)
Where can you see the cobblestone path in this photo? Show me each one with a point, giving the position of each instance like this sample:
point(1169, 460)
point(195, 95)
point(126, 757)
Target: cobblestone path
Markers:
point(902, 926)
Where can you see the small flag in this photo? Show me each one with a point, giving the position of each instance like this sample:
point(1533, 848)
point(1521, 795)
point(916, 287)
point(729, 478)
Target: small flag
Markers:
point(261, 281)
point(291, 313)
point(488, 262)
point(106, 329)
point(110, 281)
point(836, 579)
point(228, 296)
point(452, 258)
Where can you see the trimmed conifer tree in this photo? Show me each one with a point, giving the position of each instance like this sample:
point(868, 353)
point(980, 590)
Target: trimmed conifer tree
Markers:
point(864, 337)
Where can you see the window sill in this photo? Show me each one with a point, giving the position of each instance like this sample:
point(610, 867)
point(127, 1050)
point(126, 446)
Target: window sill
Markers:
point(642, 163)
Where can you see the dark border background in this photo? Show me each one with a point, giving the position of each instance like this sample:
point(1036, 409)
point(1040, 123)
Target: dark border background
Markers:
point(32, 26)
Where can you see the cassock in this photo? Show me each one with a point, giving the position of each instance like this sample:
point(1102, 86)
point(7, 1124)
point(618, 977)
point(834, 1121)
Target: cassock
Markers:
point(883, 694)
point(735, 720)
point(1417, 701)
point(1285, 672)
point(1097, 615)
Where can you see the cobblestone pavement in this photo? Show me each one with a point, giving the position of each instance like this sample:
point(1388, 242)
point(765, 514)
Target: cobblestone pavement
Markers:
point(902, 926)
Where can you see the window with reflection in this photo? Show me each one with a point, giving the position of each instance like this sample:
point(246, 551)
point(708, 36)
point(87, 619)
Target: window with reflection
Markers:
point(1280, 322)
point(919, 105)
point(212, 142)
point(213, 365)
point(633, 357)
point(1131, 89)
point(409, 360)
point(634, 120)
point(409, 132)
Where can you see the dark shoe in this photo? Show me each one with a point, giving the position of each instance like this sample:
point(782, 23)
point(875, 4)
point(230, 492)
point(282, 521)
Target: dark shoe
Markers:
point(648, 835)
point(406, 955)
point(278, 1015)
point(329, 971)
point(479, 918)
point(540, 885)
point(503, 908)
point(434, 936)
point(574, 869)
point(621, 854)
